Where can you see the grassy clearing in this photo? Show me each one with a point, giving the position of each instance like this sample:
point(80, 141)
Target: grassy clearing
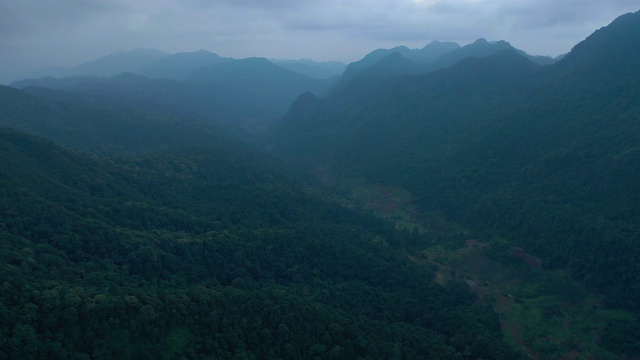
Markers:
point(543, 313)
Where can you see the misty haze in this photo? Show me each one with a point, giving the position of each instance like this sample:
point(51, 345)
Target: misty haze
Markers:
point(414, 179)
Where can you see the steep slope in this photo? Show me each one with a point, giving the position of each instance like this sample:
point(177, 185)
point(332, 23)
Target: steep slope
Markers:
point(613, 44)
point(543, 156)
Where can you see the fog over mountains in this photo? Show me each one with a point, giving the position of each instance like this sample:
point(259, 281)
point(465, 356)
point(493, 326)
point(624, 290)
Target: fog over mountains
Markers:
point(447, 202)
point(246, 90)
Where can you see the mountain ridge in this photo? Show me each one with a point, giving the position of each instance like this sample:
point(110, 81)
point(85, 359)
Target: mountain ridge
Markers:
point(462, 137)
point(107, 65)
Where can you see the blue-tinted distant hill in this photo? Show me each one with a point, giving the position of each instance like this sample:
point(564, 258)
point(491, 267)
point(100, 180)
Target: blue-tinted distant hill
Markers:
point(265, 84)
point(481, 48)
point(230, 107)
point(180, 65)
point(383, 63)
point(108, 65)
point(314, 69)
point(95, 126)
point(246, 91)
point(425, 55)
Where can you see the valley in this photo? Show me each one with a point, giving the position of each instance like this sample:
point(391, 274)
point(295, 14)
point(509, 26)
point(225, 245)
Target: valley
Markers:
point(446, 202)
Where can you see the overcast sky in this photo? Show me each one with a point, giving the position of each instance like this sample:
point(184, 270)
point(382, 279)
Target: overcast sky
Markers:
point(40, 33)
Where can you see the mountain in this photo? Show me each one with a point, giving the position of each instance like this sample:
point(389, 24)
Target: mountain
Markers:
point(180, 65)
point(108, 65)
point(266, 84)
point(345, 112)
point(314, 69)
point(242, 93)
point(543, 156)
point(229, 107)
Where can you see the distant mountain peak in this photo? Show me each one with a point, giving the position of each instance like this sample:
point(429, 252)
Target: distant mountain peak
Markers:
point(438, 43)
point(178, 66)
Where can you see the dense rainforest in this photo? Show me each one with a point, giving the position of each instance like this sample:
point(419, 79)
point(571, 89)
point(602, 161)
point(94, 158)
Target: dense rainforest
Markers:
point(178, 210)
point(200, 250)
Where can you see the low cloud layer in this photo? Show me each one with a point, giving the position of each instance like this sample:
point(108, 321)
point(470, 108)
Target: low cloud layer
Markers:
point(40, 33)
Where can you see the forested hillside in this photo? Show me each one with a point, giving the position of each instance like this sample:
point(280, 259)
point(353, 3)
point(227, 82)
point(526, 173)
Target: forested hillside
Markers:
point(101, 128)
point(212, 103)
point(201, 248)
point(543, 156)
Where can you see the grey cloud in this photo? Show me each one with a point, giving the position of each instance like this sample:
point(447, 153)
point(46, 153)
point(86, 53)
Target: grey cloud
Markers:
point(530, 14)
point(32, 16)
point(280, 4)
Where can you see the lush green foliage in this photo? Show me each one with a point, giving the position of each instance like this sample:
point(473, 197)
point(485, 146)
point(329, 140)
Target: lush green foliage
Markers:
point(201, 253)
